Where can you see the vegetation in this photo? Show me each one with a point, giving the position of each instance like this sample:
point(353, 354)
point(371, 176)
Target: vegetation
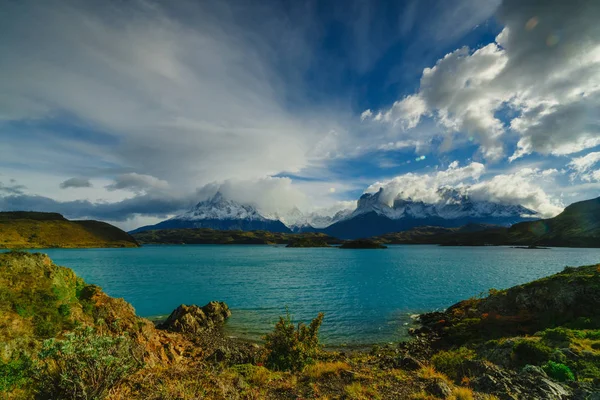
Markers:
point(31, 230)
point(508, 343)
point(212, 236)
point(84, 365)
point(291, 349)
point(362, 244)
point(309, 242)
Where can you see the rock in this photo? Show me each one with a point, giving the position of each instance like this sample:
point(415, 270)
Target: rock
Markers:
point(531, 384)
point(439, 388)
point(193, 319)
point(409, 363)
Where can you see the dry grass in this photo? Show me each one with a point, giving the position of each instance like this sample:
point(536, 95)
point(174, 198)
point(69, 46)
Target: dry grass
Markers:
point(357, 391)
point(422, 395)
point(321, 369)
point(428, 372)
point(462, 393)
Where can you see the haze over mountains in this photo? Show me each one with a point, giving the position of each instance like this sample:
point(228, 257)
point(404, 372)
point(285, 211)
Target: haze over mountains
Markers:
point(372, 216)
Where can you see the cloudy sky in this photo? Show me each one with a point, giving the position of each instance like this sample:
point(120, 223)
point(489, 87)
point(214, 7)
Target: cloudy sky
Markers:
point(132, 111)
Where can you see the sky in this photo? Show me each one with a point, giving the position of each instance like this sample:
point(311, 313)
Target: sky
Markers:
point(131, 112)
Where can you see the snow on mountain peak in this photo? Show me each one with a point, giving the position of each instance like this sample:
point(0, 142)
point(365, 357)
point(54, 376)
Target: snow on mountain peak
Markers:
point(220, 208)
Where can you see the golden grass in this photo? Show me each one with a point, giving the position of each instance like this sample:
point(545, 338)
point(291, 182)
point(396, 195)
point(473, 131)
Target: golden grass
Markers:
point(462, 393)
point(320, 369)
point(428, 372)
point(357, 391)
point(422, 395)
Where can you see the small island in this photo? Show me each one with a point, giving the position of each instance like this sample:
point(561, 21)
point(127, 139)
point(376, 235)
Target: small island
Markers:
point(362, 244)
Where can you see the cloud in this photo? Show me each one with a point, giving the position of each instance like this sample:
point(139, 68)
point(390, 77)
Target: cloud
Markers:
point(185, 92)
point(582, 167)
point(76, 183)
point(12, 189)
point(147, 205)
point(137, 183)
point(520, 188)
point(425, 187)
point(542, 78)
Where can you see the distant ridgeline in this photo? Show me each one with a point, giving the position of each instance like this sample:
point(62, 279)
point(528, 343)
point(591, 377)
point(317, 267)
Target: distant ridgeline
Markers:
point(214, 236)
point(27, 229)
point(577, 226)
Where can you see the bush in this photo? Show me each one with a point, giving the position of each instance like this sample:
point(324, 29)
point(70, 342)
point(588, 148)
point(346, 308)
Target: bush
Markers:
point(558, 371)
point(531, 352)
point(84, 365)
point(290, 349)
point(15, 373)
point(451, 362)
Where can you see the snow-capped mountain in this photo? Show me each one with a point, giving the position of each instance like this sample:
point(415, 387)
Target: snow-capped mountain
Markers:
point(452, 205)
point(298, 221)
point(219, 208)
point(221, 214)
point(455, 208)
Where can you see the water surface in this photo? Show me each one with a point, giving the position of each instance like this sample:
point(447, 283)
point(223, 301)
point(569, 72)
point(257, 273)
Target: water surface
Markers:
point(367, 295)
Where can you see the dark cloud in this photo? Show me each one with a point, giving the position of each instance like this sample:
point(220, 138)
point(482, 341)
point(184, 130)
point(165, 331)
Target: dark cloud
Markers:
point(76, 183)
point(12, 189)
point(144, 205)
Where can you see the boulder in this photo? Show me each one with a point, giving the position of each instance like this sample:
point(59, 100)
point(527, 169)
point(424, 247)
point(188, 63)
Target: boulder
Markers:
point(194, 319)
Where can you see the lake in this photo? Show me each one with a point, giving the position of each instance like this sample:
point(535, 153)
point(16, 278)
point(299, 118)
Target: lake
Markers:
point(368, 296)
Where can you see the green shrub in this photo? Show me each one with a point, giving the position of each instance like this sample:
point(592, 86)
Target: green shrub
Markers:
point(530, 352)
point(451, 362)
point(289, 348)
point(558, 371)
point(15, 373)
point(84, 365)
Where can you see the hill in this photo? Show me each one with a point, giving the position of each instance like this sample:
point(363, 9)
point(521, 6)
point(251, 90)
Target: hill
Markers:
point(24, 229)
point(214, 236)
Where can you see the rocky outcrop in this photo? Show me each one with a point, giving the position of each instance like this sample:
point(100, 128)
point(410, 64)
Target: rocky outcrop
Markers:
point(194, 319)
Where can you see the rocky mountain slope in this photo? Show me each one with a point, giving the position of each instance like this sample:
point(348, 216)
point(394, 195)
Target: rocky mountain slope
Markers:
point(577, 226)
point(373, 216)
point(41, 230)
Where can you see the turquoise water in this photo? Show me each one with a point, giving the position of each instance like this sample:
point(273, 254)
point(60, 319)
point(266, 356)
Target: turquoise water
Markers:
point(367, 296)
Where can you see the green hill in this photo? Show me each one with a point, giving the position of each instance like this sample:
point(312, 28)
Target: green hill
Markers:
point(24, 229)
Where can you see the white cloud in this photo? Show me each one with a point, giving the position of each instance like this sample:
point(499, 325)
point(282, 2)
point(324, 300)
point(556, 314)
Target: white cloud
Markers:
point(519, 188)
point(582, 167)
point(424, 187)
point(545, 75)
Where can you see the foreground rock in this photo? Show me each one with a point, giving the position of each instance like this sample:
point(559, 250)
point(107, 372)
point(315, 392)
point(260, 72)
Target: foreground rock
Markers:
point(194, 319)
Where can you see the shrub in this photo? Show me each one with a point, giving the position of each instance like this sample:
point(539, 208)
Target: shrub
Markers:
point(15, 373)
point(451, 362)
point(290, 349)
point(558, 371)
point(84, 365)
point(531, 352)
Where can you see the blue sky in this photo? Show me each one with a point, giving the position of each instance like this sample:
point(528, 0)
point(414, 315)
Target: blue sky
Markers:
point(130, 112)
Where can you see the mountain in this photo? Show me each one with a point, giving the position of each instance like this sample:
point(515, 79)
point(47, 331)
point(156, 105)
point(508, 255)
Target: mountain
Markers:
point(25, 229)
point(374, 217)
point(577, 226)
point(221, 214)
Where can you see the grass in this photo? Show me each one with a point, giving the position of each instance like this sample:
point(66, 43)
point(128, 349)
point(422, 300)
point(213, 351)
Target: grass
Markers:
point(462, 393)
point(324, 369)
point(358, 391)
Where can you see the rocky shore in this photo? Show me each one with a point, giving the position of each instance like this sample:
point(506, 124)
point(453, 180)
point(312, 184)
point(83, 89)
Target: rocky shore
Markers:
point(534, 341)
